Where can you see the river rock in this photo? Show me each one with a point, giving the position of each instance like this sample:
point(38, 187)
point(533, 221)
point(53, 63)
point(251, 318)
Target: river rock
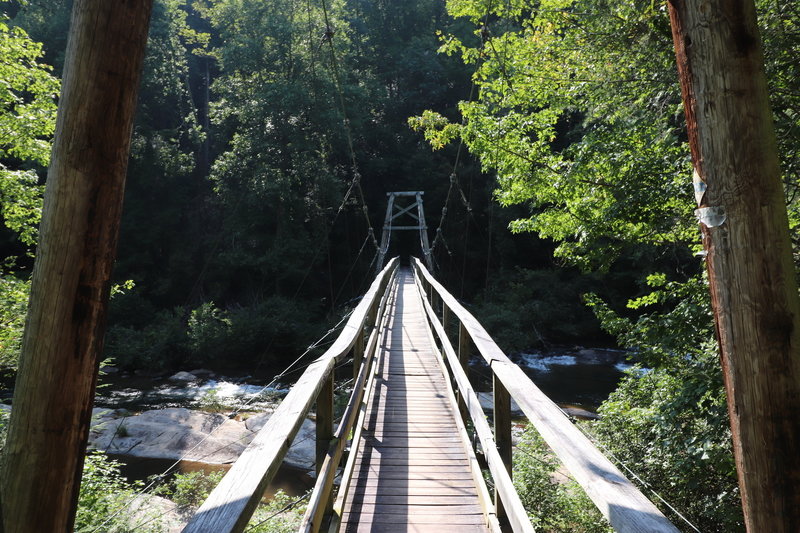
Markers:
point(179, 433)
point(202, 373)
point(303, 451)
point(577, 412)
point(183, 377)
point(487, 402)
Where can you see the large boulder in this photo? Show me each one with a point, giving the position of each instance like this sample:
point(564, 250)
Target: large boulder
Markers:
point(179, 433)
point(183, 377)
point(303, 451)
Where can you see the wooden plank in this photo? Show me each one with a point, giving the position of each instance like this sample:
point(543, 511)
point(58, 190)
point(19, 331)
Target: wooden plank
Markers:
point(403, 499)
point(405, 450)
point(516, 514)
point(320, 502)
point(409, 528)
point(324, 425)
point(414, 490)
point(382, 326)
point(382, 508)
point(418, 462)
point(458, 480)
point(502, 434)
point(414, 518)
point(423, 445)
point(409, 471)
point(626, 508)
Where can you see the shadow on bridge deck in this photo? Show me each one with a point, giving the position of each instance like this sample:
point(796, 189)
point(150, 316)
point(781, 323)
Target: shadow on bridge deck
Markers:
point(412, 472)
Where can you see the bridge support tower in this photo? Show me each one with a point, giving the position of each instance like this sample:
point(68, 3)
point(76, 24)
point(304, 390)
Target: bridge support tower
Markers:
point(393, 212)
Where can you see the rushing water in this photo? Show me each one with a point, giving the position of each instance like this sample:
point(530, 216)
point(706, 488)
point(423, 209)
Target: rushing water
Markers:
point(575, 376)
point(138, 393)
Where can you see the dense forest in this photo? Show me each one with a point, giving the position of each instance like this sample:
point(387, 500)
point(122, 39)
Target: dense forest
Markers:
point(548, 136)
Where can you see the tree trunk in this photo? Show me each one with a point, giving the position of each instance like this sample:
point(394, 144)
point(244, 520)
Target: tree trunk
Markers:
point(745, 234)
point(66, 317)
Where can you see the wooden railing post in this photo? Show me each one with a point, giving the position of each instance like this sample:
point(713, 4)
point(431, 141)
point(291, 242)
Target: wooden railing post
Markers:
point(502, 435)
point(464, 347)
point(324, 420)
point(358, 353)
point(445, 317)
point(435, 300)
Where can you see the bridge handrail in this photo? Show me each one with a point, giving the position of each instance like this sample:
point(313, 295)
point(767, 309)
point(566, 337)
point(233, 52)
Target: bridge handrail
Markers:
point(231, 504)
point(625, 507)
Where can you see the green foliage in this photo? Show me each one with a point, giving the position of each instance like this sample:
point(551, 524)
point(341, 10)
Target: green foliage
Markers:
point(577, 113)
point(681, 328)
point(27, 122)
point(283, 514)
point(554, 502)
point(241, 335)
point(211, 402)
point(670, 422)
point(105, 498)
point(247, 333)
point(13, 308)
point(160, 344)
point(5, 415)
point(209, 329)
point(191, 489)
point(525, 307)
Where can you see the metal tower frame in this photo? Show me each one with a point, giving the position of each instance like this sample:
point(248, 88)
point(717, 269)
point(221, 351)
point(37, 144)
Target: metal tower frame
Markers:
point(420, 225)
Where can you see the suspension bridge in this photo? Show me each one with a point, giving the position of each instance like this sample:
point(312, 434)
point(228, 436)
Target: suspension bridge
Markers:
point(413, 448)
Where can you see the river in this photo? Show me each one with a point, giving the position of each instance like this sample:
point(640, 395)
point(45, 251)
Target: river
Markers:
point(571, 376)
point(575, 376)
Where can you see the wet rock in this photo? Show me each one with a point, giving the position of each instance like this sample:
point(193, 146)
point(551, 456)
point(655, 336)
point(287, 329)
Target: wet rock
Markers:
point(183, 377)
point(487, 402)
point(202, 373)
point(583, 414)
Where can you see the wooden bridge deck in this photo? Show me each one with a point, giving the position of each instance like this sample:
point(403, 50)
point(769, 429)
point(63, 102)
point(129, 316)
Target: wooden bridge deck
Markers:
point(412, 472)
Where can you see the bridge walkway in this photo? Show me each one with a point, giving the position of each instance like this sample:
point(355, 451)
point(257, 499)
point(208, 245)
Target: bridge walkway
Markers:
point(413, 471)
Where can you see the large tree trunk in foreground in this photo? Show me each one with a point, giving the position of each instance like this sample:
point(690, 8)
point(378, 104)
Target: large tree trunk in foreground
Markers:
point(745, 232)
point(66, 318)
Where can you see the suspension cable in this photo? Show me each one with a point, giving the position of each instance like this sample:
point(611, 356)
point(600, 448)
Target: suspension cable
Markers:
point(356, 182)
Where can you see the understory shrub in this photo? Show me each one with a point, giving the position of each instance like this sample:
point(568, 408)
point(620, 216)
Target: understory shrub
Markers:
point(105, 499)
point(555, 502)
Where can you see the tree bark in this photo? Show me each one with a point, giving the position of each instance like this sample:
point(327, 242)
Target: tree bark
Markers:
point(63, 338)
point(746, 237)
